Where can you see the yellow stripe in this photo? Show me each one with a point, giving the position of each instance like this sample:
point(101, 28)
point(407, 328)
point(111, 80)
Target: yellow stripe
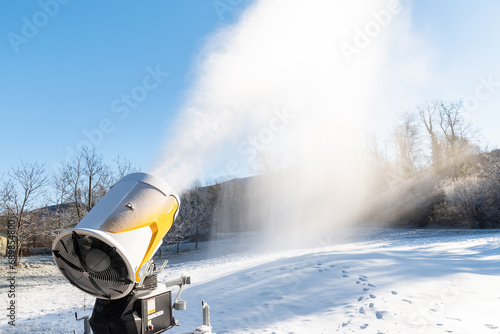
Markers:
point(159, 227)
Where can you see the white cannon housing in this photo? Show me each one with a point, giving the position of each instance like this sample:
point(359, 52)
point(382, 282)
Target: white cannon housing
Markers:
point(104, 254)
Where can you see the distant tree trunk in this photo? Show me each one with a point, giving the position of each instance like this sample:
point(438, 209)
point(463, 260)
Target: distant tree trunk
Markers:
point(69, 181)
point(196, 238)
point(90, 192)
point(428, 113)
point(406, 138)
point(77, 205)
point(178, 247)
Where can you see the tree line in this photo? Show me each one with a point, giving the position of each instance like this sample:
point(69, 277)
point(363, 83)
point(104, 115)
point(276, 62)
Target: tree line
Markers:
point(433, 171)
point(43, 205)
point(430, 171)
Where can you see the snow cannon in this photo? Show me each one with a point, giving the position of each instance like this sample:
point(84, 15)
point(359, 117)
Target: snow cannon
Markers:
point(110, 250)
point(109, 255)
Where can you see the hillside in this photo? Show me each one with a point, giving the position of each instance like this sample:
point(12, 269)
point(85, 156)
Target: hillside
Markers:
point(353, 281)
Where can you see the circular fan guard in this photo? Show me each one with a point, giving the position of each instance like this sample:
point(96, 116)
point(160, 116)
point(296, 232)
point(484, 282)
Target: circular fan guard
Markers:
point(92, 265)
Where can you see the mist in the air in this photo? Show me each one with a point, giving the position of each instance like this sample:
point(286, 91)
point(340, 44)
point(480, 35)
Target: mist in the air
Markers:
point(290, 93)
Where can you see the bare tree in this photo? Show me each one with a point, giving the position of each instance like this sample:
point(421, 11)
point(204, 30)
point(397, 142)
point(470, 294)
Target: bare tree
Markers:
point(457, 132)
point(123, 167)
point(70, 182)
point(98, 175)
point(83, 181)
point(197, 213)
point(180, 228)
point(452, 137)
point(429, 113)
point(378, 156)
point(406, 141)
point(193, 211)
point(26, 183)
point(64, 213)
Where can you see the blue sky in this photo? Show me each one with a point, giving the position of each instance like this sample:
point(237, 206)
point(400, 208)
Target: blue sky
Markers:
point(70, 76)
point(65, 78)
point(461, 37)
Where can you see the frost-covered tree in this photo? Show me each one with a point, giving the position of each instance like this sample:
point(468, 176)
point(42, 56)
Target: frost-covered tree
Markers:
point(19, 192)
point(452, 137)
point(464, 197)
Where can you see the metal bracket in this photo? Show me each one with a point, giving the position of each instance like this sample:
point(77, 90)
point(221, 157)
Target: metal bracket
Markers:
point(148, 269)
point(161, 268)
point(183, 280)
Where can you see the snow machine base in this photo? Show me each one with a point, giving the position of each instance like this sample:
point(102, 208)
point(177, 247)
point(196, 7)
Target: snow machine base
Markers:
point(146, 310)
point(142, 312)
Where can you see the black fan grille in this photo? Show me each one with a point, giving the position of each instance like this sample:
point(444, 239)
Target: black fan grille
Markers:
point(92, 265)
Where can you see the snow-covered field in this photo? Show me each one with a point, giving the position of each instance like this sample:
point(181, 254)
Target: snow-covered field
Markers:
point(358, 281)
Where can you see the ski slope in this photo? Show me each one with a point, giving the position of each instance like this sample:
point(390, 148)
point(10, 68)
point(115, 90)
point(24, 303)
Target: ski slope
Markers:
point(357, 281)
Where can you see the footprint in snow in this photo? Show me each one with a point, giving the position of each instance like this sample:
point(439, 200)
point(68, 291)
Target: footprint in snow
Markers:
point(362, 279)
point(394, 292)
point(371, 285)
point(363, 326)
point(406, 300)
point(361, 310)
point(366, 289)
point(345, 275)
point(371, 305)
point(360, 298)
point(379, 315)
point(344, 272)
point(372, 296)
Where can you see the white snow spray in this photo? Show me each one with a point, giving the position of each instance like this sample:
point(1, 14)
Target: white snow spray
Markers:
point(288, 92)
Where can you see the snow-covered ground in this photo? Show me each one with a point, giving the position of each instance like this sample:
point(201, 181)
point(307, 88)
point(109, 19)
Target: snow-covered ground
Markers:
point(358, 281)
